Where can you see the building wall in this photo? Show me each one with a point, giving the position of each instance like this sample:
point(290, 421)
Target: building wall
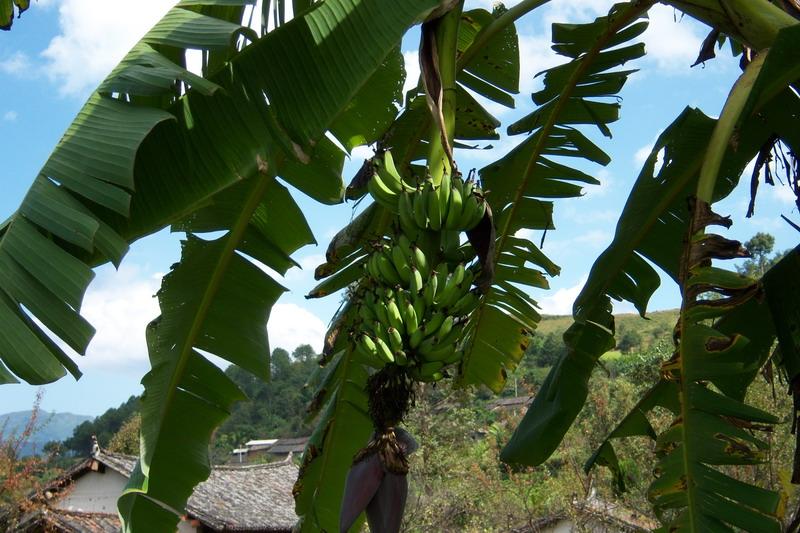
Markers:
point(97, 492)
point(94, 492)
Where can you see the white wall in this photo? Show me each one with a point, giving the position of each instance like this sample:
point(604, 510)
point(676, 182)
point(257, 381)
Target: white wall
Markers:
point(98, 493)
point(94, 493)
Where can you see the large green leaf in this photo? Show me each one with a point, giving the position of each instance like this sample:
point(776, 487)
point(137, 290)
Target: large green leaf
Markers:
point(651, 229)
point(343, 427)
point(214, 301)
point(499, 330)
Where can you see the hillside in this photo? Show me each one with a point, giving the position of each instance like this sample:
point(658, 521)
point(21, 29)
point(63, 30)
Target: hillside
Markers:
point(50, 426)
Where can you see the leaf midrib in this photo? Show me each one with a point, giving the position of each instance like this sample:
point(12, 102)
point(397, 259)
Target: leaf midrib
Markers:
point(234, 238)
point(545, 133)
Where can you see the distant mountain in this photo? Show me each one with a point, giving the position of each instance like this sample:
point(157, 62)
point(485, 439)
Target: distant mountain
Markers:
point(49, 426)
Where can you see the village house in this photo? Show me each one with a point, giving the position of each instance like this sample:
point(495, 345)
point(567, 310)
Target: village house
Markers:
point(267, 450)
point(242, 498)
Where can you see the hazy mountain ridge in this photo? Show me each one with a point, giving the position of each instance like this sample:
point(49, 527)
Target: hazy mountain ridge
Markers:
point(50, 426)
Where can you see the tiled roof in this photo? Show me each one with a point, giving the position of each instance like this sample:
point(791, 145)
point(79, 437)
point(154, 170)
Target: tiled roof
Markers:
point(296, 445)
point(49, 519)
point(253, 497)
point(233, 498)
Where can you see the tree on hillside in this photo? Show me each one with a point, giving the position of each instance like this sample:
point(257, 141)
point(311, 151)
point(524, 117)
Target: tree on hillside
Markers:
point(630, 340)
point(760, 247)
point(104, 427)
point(158, 146)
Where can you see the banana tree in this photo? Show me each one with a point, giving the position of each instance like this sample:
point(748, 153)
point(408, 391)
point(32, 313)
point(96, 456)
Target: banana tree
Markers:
point(208, 153)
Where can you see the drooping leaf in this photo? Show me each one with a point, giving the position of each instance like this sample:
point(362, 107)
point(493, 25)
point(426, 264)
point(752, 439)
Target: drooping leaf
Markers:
point(499, 331)
point(651, 229)
point(342, 428)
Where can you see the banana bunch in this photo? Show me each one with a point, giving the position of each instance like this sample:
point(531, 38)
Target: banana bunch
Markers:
point(386, 183)
point(455, 205)
point(418, 324)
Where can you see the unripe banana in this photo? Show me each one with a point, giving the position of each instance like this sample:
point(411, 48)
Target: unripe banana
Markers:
point(401, 264)
point(454, 209)
point(433, 323)
point(445, 187)
point(416, 338)
point(415, 282)
point(382, 193)
point(406, 213)
point(465, 305)
point(444, 329)
point(389, 274)
point(419, 306)
point(395, 339)
point(395, 318)
point(434, 208)
point(383, 350)
point(410, 319)
point(400, 357)
point(429, 290)
point(420, 261)
point(420, 209)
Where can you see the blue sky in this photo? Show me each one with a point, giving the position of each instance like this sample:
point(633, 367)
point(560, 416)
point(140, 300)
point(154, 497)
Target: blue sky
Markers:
point(60, 49)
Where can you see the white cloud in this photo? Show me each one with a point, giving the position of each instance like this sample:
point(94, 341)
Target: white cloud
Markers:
point(642, 153)
point(10, 116)
point(535, 56)
point(291, 325)
point(95, 37)
point(672, 42)
point(306, 270)
point(783, 194)
point(411, 60)
point(119, 306)
point(560, 302)
point(17, 64)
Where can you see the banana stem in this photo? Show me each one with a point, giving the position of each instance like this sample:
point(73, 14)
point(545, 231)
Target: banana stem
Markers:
point(755, 23)
point(447, 49)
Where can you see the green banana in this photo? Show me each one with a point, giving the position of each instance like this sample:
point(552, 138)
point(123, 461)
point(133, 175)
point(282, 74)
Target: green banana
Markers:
point(465, 305)
point(454, 209)
point(421, 209)
point(388, 168)
point(433, 323)
point(420, 261)
point(415, 282)
point(445, 328)
point(419, 306)
point(395, 318)
point(410, 319)
point(383, 350)
point(434, 208)
point(429, 290)
point(382, 193)
point(395, 339)
point(406, 214)
point(468, 212)
point(400, 357)
point(445, 187)
point(400, 263)
point(416, 338)
point(388, 273)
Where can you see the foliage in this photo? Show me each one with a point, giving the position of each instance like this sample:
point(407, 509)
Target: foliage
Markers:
point(760, 247)
point(104, 427)
point(158, 146)
point(126, 440)
point(21, 477)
